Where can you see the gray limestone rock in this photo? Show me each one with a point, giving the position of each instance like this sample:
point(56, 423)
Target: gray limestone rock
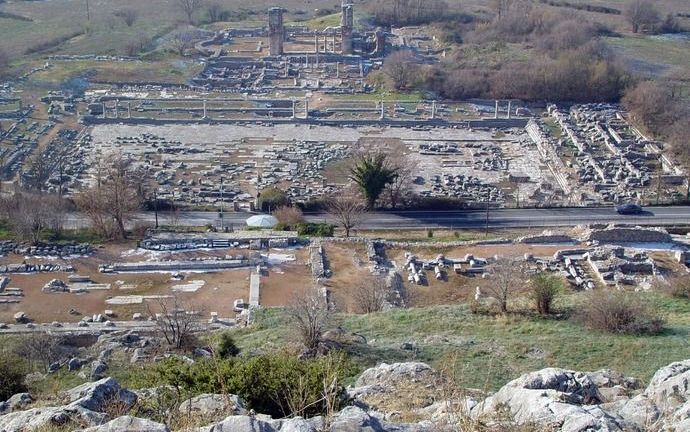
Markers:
point(213, 405)
point(129, 424)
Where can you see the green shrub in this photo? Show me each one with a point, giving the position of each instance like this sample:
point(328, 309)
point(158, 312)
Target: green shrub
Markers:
point(227, 347)
point(680, 287)
point(275, 384)
point(545, 289)
point(11, 377)
point(272, 198)
point(315, 229)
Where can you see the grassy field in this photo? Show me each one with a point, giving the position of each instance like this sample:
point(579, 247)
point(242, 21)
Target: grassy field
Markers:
point(662, 51)
point(105, 33)
point(169, 71)
point(489, 351)
point(381, 94)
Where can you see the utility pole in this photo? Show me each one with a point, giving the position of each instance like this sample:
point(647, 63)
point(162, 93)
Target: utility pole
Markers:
point(61, 172)
point(155, 205)
point(88, 12)
point(486, 229)
point(221, 203)
point(517, 194)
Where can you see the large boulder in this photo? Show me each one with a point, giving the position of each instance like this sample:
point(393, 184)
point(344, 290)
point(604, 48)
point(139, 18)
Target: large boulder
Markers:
point(298, 424)
point(396, 373)
point(95, 396)
point(355, 419)
point(98, 369)
point(397, 387)
point(129, 424)
point(614, 386)
point(38, 419)
point(34, 419)
point(665, 403)
point(74, 364)
point(555, 398)
point(212, 406)
point(16, 403)
point(670, 385)
point(240, 423)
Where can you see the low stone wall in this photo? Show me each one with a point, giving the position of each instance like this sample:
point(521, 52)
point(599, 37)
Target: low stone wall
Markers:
point(182, 241)
point(35, 268)
point(545, 238)
point(174, 266)
point(629, 235)
point(46, 249)
point(318, 261)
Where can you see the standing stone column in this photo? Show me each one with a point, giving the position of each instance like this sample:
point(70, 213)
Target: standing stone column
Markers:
point(496, 111)
point(509, 108)
point(276, 31)
point(346, 28)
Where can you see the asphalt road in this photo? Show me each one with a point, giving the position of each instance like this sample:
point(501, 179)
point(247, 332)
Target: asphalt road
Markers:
point(454, 219)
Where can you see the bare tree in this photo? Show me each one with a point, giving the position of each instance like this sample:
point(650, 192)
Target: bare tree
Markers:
point(308, 312)
point(399, 188)
point(40, 347)
point(4, 61)
point(189, 7)
point(289, 216)
point(181, 42)
point(507, 277)
point(177, 321)
point(401, 69)
point(348, 209)
point(112, 201)
point(370, 296)
point(128, 15)
point(641, 13)
point(500, 7)
point(30, 214)
point(651, 105)
point(39, 168)
point(215, 12)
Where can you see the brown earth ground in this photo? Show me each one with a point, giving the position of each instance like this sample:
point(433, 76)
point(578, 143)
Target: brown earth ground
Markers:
point(348, 262)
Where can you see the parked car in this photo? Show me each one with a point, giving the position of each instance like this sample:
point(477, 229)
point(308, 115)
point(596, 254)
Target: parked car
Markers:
point(628, 209)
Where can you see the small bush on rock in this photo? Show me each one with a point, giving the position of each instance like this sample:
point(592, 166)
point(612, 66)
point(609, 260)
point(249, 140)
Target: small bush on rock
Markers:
point(680, 287)
point(619, 312)
point(226, 346)
point(277, 384)
point(11, 377)
point(545, 289)
point(315, 229)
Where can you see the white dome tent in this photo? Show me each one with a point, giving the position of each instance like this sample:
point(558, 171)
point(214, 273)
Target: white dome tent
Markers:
point(262, 221)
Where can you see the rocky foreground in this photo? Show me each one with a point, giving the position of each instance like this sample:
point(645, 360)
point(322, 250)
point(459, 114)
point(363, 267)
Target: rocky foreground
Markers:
point(401, 397)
